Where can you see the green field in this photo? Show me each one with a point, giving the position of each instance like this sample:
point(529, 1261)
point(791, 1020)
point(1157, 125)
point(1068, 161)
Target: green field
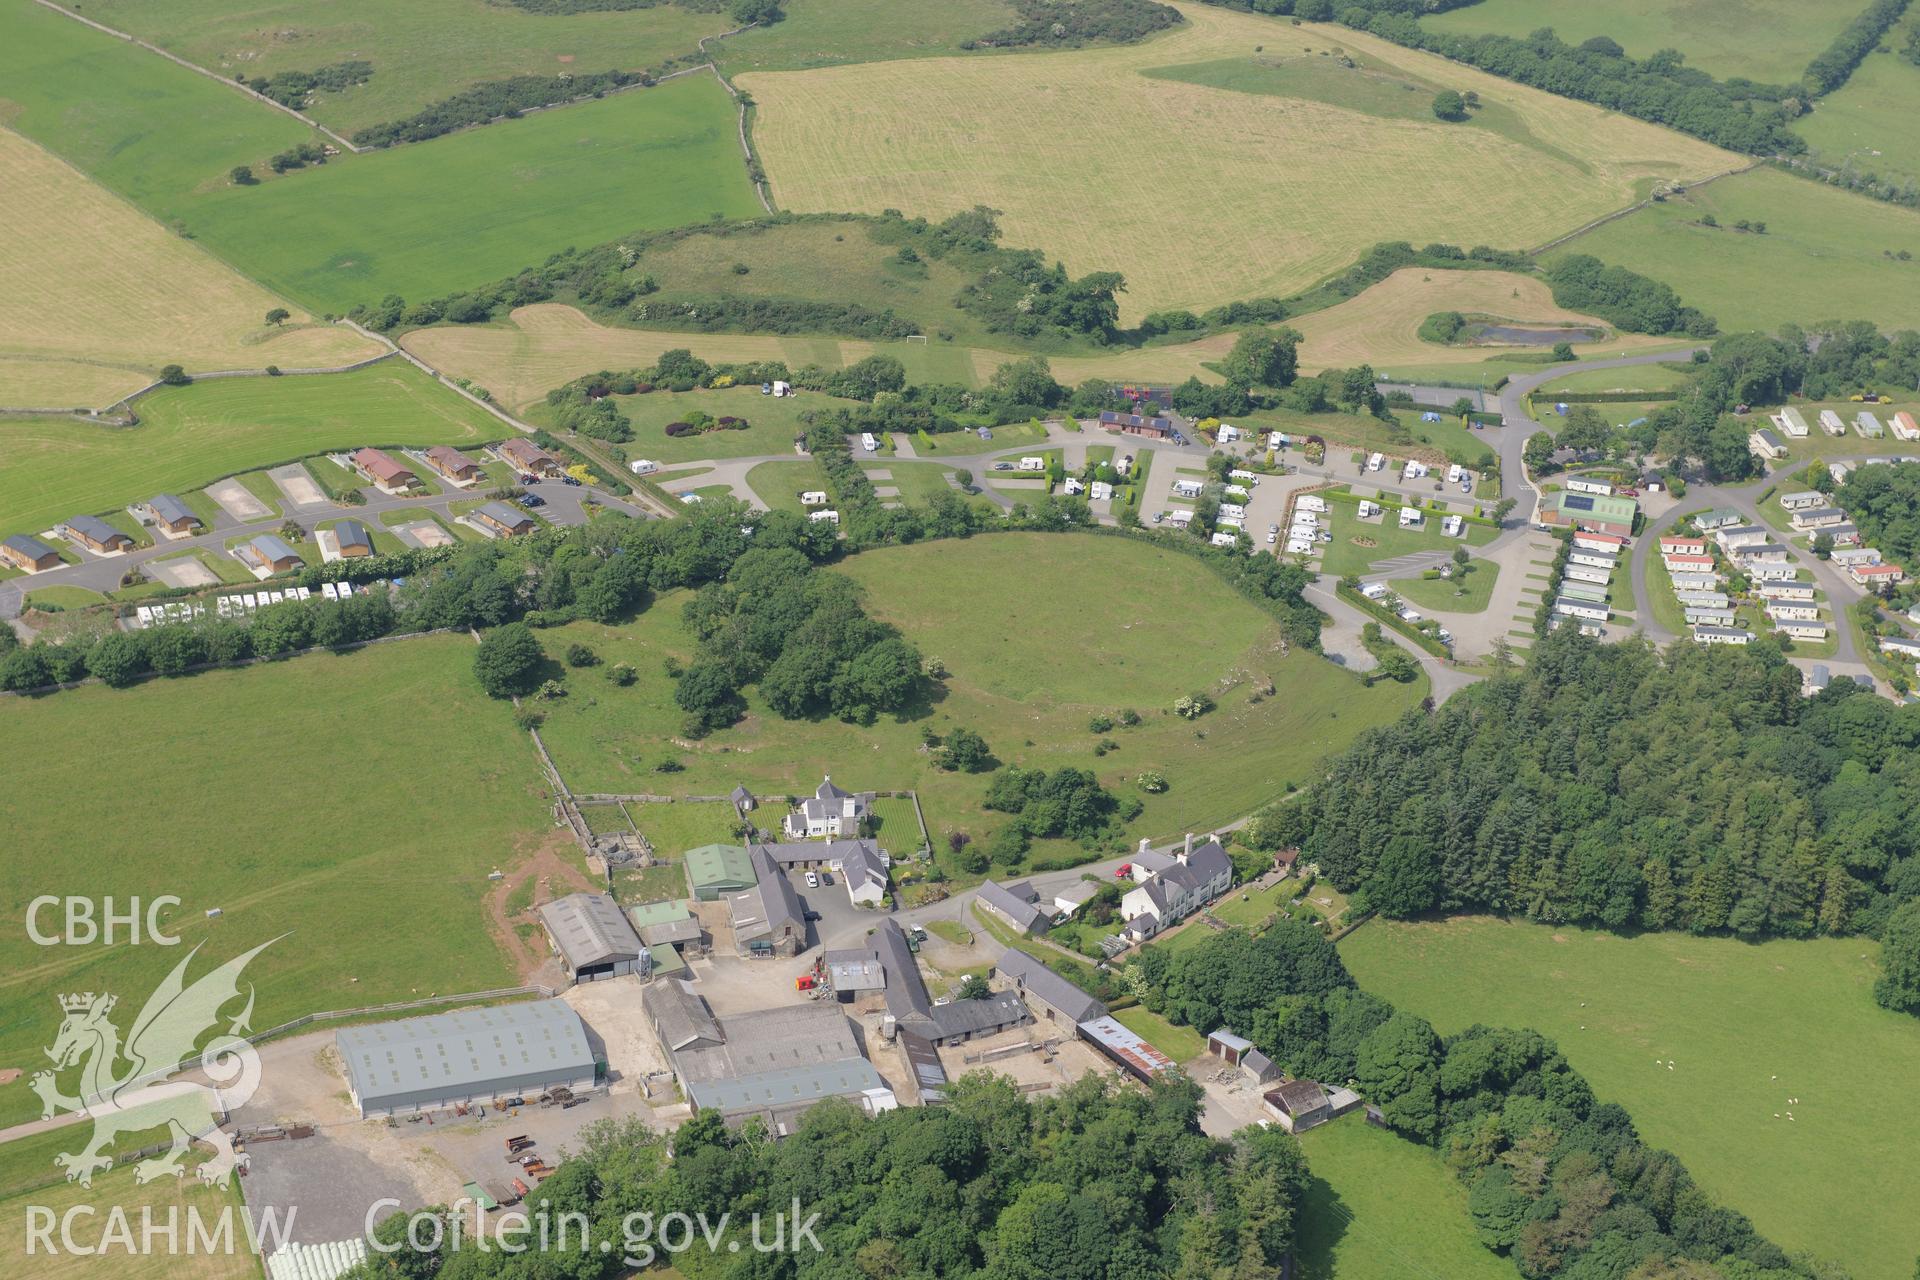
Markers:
point(678, 827)
point(1823, 257)
point(780, 484)
point(421, 51)
point(1767, 40)
point(1364, 431)
point(1008, 683)
point(1382, 1208)
point(238, 790)
point(772, 423)
point(1643, 377)
point(419, 221)
point(827, 33)
point(1470, 594)
point(190, 436)
point(1746, 1026)
point(1868, 126)
point(118, 1190)
point(1344, 556)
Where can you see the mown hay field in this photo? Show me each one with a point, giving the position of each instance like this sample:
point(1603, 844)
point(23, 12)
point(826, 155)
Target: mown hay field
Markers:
point(52, 468)
point(1825, 254)
point(288, 795)
point(422, 51)
point(1746, 1026)
point(95, 297)
point(542, 346)
point(1381, 325)
point(1200, 194)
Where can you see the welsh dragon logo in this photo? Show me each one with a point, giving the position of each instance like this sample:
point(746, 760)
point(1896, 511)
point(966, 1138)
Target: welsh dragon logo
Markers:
point(135, 1098)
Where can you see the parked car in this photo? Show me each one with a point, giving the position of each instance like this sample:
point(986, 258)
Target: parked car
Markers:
point(527, 477)
point(1123, 871)
point(1158, 516)
point(766, 388)
point(813, 881)
point(533, 500)
point(570, 482)
point(1003, 466)
point(1273, 535)
point(813, 917)
point(826, 877)
point(1466, 486)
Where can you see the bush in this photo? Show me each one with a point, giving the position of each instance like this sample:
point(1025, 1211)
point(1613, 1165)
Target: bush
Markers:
point(578, 655)
point(509, 661)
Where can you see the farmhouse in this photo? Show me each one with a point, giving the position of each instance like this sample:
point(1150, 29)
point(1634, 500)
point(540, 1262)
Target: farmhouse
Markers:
point(96, 535)
point(1767, 445)
point(383, 470)
point(716, 870)
point(1802, 501)
point(270, 553)
point(592, 937)
point(525, 456)
point(1016, 903)
point(167, 513)
point(1831, 424)
point(29, 554)
point(768, 919)
point(470, 1055)
point(1791, 422)
point(1167, 890)
point(1255, 1066)
point(453, 464)
point(1589, 511)
point(862, 862)
point(353, 539)
point(1133, 424)
point(1056, 999)
point(829, 811)
point(505, 521)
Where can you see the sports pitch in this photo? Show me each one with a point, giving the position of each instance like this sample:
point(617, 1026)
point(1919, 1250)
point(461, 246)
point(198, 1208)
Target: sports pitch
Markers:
point(191, 436)
point(1200, 194)
point(1747, 1026)
point(95, 298)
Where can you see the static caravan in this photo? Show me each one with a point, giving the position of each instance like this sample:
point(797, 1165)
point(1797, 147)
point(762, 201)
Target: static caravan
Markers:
point(1695, 581)
point(1803, 611)
point(1702, 616)
point(1580, 609)
point(1803, 630)
point(1722, 635)
point(1831, 424)
point(1587, 573)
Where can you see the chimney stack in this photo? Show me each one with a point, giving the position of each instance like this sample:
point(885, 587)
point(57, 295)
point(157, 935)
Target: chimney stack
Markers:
point(1186, 849)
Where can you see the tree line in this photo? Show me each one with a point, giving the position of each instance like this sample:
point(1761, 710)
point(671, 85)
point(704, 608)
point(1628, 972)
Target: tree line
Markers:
point(1058, 24)
point(1611, 785)
point(1625, 299)
point(1837, 62)
point(1098, 1181)
point(296, 88)
point(493, 99)
point(1557, 1180)
point(1884, 501)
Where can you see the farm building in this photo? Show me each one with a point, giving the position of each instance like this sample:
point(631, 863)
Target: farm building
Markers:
point(1015, 903)
point(504, 520)
point(592, 937)
point(716, 870)
point(668, 930)
point(29, 554)
point(768, 919)
point(166, 512)
point(468, 1056)
point(353, 539)
point(270, 552)
point(679, 1017)
point(95, 535)
point(1255, 1066)
point(1052, 996)
point(1136, 1057)
point(912, 1014)
point(772, 1064)
point(1589, 511)
point(453, 464)
point(383, 470)
point(1299, 1105)
point(829, 811)
point(525, 456)
point(1763, 443)
point(1074, 896)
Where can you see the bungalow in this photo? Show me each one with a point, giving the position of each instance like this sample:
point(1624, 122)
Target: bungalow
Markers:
point(1237, 1051)
point(1868, 425)
point(270, 552)
point(1682, 546)
point(1718, 518)
point(389, 475)
point(453, 464)
point(1818, 518)
point(1799, 611)
point(1695, 581)
point(829, 812)
point(1802, 501)
point(1722, 635)
point(1134, 424)
point(352, 539)
point(1905, 427)
point(1831, 424)
point(1791, 422)
point(1801, 630)
point(1016, 903)
point(504, 521)
point(1167, 890)
point(1589, 511)
point(525, 456)
point(1875, 577)
point(170, 515)
point(1584, 609)
point(96, 535)
point(29, 554)
point(1786, 591)
point(1766, 444)
point(1702, 616)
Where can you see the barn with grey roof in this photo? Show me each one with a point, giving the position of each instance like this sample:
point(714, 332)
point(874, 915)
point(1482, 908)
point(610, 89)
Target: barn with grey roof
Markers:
point(467, 1056)
point(593, 937)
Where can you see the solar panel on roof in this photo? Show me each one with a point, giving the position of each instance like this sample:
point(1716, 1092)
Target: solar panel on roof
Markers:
point(1578, 501)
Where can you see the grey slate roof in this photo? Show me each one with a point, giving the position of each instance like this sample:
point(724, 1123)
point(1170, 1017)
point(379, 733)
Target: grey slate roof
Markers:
point(971, 1017)
point(171, 509)
point(352, 533)
point(501, 513)
point(463, 1052)
point(782, 1057)
point(681, 1017)
point(770, 905)
point(590, 929)
point(94, 527)
point(272, 548)
point(31, 547)
point(1044, 984)
point(1017, 907)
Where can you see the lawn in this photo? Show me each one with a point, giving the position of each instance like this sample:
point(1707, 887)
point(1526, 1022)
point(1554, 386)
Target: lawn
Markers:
point(190, 436)
point(1344, 555)
point(419, 220)
point(1470, 594)
point(1644, 377)
point(674, 828)
point(1345, 431)
point(919, 482)
point(1182, 1044)
point(772, 422)
point(1746, 1026)
point(1007, 684)
point(287, 795)
point(780, 484)
point(1819, 445)
point(933, 137)
point(422, 51)
point(1771, 41)
point(1666, 609)
point(95, 298)
point(1824, 254)
point(1380, 1207)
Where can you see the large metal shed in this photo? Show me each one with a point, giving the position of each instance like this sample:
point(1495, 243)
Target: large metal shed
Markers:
point(468, 1056)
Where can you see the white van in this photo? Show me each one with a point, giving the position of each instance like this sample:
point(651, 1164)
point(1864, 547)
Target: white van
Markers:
point(1376, 462)
point(868, 443)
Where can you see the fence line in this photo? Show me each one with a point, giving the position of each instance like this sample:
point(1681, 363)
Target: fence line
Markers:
point(1677, 189)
